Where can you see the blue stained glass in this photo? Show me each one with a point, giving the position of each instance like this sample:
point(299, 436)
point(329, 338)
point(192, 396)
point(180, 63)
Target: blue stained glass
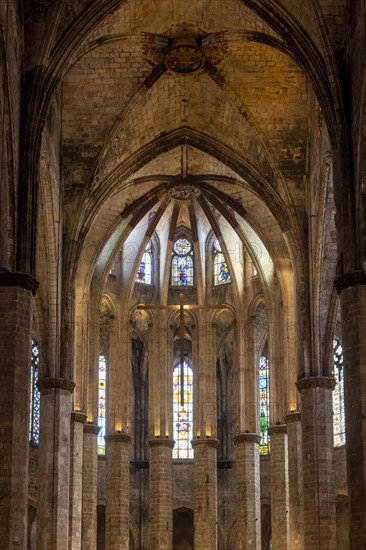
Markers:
point(183, 413)
point(264, 446)
point(35, 397)
point(144, 271)
point(221, 271)
point(102, 387)
point(182, 271)
point(339, 419)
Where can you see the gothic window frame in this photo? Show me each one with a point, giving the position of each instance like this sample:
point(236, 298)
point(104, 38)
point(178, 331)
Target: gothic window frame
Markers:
point(218, 261)
point(264, 396)
point(183, 449)
point(147, 254)
point(35, 396)
point(182, 256)
point(338, 403)
point(102, 394)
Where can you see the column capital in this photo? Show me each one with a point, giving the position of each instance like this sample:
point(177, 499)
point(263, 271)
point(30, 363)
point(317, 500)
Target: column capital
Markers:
point(90, 428)
point(314, 382)
point(77, 416)
point(291, 417)
point(205, 442)
point(349, 279)
point(23, 280)
point(118, 438)
point(277, 429)
point(56, 384)
point(247, 437)
point(160, 442)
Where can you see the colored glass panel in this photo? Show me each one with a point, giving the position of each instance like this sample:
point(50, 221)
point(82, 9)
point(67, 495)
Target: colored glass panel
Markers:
point(221, 271)
point(182, 247)
point(264, 445)
point(182, 271)
point(35, 397)
point(144, 271)
point(102, 387)
point(339, 420)
point(183, 414)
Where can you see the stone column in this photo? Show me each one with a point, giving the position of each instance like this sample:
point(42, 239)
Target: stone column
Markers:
point(78, 420)
point(279, 488)
point(205, 493)
point(90, 487)
point(248, 491)
point(54, 464)
point(352, 290)
point(16, 306)
point(317, 459)
point(296, 495)
point(117, 491)
point(161, 494)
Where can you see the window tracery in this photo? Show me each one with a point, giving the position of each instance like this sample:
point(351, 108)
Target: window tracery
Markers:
point(102, 387)
point(339, 420)
point(220, 268)
point(182, 271)
point(183, 411)
point(144, 272)
point(35, 397)
point(264, 446)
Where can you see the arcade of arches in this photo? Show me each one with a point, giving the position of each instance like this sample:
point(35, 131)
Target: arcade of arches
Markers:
point(183, 275)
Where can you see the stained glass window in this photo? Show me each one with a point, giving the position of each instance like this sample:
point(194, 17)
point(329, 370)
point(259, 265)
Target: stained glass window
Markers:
point(264, 445)
point(182, 263)
point(339, 421)
point(183, 411)
point(102, 386)
point(144, 271)
point(35, 397)
point(221, 271)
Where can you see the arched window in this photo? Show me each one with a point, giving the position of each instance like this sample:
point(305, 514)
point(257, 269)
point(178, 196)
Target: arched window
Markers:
point(221, 271)
point(102, 389)
point(182, 263)
point(35, 397)
point(183, 410)
point(264, 445)
point(339, 421)
point(144, 271)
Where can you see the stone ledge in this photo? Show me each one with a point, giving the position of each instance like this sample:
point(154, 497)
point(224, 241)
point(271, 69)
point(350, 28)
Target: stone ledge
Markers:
point(277, 429)
point(314, 382)
point(93, 429)
point(23, 280)
point(77, 416)
point(56, 384)
point(159, 442)
point(347, 280)
point(205, 442)
point(292, 417)
point(118, 438)
point(247, 437)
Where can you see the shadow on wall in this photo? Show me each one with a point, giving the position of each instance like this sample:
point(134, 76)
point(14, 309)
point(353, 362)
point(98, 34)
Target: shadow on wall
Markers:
point(183, 529)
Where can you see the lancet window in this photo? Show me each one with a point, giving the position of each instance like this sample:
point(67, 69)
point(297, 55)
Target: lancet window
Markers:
point(182, 271)
point(182, 410)
point(221, 270)
point(339, 421)
point(102, 395)
point(264, 446)
point(35, 397)
point(144, 272)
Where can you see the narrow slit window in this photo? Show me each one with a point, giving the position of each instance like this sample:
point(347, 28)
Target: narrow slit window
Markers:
point(339, 419)
point(35, 397)
point(264, 446)
point(102, 394)
point(183, 411)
